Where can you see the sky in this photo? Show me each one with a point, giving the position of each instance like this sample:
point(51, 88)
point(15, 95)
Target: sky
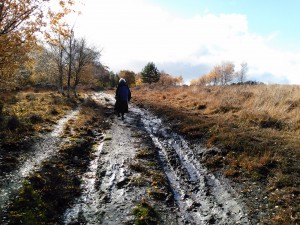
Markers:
point(190, 37)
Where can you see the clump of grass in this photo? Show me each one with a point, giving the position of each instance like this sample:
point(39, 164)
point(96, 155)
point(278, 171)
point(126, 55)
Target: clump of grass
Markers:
point(272, 123)
point(145, 214)
point(13, 123)
point(23, 112)
point(144, 153)
point(159, 179)
point(157, 194)
point(139, 181)
point(138, 167)
point(29, 208)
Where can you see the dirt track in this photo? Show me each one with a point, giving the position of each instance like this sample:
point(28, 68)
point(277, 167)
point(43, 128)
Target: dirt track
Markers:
point(139, 165)
point(200, 197)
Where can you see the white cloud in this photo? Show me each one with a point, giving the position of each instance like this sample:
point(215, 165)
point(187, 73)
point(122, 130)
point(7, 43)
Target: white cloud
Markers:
point(134, 32)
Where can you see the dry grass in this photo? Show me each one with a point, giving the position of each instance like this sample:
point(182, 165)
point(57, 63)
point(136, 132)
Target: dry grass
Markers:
point(256, 127)
point(22, 113)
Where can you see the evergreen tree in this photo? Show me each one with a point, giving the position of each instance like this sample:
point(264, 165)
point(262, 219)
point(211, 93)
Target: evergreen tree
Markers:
point(150, 73)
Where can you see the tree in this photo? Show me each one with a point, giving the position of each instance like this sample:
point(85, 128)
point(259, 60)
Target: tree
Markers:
point(179, 80)
point(227, 71)
point(70, 50)
point(129, 76)
point(82, 57)
point(169, 80)
point(58, 52)
point(150, 73)
point(20, 23)
point(242, 74)
point(114, 79)
point(45, 68)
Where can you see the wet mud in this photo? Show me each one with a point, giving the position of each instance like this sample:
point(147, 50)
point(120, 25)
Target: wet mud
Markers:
point(45, 148)
point(118, 184)
point(139, 172)
point(200, 197)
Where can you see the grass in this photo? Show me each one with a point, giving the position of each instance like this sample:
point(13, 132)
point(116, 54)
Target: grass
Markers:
point(153, 181)
point(145, 214)
point(22, 113)
point(47, 193)
point(257, 129)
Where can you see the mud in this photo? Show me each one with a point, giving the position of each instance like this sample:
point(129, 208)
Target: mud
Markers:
point(113, 197)
point(117, 181)
point(47, 147)
point(201, 198)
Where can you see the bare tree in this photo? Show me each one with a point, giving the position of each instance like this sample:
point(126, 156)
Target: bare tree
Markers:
point(242, 74)
point(70, 55)
point(59, 51)
point(82, 57)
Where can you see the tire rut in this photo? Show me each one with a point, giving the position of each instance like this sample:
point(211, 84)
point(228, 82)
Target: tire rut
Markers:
point(11, 182)
point(114, 195)
point(201, 197)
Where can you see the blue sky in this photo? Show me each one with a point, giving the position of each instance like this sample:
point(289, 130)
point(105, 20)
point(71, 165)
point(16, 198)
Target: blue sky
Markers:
point(264, 16)
point(190, 37)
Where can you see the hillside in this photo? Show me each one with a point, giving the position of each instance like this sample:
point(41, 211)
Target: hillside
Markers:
point(256, 131)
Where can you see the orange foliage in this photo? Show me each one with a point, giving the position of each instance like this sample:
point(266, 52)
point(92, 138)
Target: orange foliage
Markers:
point(20, 23)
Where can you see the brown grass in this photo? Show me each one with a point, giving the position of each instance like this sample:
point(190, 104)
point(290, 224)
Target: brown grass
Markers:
point(25, 112)
point(257, 129)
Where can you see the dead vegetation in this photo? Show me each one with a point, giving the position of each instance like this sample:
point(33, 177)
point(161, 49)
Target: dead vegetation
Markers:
point(23, 115)
point(59, 177)
point(256, 127)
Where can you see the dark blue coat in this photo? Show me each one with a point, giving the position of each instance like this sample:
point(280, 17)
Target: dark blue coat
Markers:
point(123, 96)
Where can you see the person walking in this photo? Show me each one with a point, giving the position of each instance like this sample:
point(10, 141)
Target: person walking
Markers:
point(123, 96)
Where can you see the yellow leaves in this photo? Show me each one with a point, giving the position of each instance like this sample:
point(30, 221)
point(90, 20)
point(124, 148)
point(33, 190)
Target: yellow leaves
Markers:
point(62, 3)
point(21, 21)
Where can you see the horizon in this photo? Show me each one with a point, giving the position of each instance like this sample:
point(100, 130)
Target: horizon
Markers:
point(189, 39)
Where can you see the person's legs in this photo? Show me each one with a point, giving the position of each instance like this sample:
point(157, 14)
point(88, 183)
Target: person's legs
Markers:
point(122, 116)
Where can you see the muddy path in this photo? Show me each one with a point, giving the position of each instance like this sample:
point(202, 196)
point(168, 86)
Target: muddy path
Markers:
point(117, 184)
point(139, 172)
point(45, 148)
point(199, 196)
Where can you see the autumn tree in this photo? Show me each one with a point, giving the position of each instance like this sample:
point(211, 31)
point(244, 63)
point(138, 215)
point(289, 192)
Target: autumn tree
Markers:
point(220, 75)
point(138, 79)
point(83, 56)
point(226, 72)
point(150, 73)
point(20, 23)
point(44, 71)
point(179, 80)
point(169, 80)
point(129, 76)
